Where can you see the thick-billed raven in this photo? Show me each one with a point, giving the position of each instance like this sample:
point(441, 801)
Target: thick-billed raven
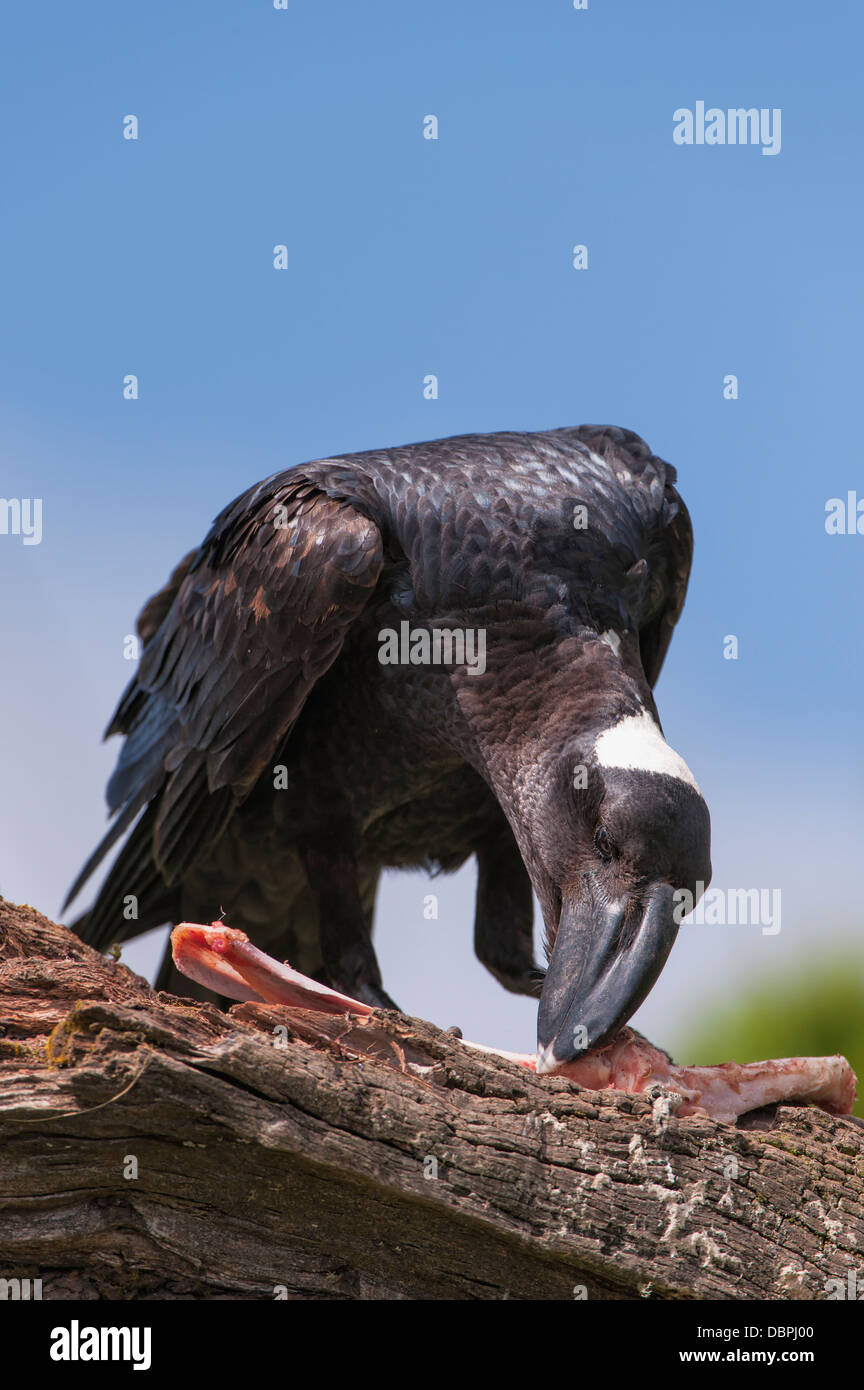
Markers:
point(405, 657)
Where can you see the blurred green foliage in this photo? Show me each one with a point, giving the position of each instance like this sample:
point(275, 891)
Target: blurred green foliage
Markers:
point(813, 1010)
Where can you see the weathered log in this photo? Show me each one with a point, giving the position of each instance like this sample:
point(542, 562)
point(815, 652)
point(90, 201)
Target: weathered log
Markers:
point(155, 1147)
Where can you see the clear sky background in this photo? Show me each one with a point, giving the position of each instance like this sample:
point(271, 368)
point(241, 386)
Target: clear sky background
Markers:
point(406, 257)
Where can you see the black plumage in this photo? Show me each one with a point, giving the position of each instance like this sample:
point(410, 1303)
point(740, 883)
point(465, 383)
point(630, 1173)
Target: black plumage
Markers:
point(275, 766)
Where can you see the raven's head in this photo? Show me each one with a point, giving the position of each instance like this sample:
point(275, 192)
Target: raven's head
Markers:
point(623, 826)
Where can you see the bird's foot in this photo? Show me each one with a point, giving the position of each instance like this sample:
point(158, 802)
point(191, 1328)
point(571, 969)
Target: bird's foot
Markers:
point(374, 996)
point(526, 979)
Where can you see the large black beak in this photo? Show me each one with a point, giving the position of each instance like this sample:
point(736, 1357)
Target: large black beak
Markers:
point(605, 961)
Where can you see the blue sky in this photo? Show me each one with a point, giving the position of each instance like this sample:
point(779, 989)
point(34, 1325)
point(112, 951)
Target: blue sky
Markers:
point(410, 256)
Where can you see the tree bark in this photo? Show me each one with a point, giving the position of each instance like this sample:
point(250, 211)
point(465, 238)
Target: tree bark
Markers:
point(154, 1147)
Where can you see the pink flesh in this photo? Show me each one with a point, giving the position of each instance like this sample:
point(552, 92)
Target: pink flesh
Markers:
point(630, 1063)
point(226, 961)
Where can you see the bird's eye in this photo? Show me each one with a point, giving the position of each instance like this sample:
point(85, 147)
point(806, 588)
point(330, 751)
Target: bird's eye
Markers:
point(603, 844)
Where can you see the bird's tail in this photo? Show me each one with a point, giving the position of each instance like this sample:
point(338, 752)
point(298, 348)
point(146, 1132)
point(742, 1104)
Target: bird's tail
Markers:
point(113, 834)
point(134, 897)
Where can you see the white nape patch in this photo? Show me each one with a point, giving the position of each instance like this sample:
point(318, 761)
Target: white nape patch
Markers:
point(612, 640)
point(636, 744)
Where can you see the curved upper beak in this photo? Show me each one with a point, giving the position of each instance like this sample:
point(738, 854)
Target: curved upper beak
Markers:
point(605, 960)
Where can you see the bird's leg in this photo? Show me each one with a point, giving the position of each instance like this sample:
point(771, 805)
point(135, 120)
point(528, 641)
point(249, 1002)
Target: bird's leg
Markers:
point(503, 925)
point(349, 957)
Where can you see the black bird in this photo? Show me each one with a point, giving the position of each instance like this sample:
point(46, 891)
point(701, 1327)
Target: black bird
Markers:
point(289, 733)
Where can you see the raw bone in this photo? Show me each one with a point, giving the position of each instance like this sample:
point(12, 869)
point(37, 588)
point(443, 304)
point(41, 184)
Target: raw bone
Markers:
point(226, 961)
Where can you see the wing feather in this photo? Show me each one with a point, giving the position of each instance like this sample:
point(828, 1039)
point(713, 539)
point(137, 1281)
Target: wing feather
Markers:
point(235, 642)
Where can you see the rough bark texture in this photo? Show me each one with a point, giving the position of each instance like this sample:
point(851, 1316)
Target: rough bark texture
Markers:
point(292, 1161)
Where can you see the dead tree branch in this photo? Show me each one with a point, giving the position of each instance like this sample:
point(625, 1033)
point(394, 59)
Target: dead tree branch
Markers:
point(157, 1148)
